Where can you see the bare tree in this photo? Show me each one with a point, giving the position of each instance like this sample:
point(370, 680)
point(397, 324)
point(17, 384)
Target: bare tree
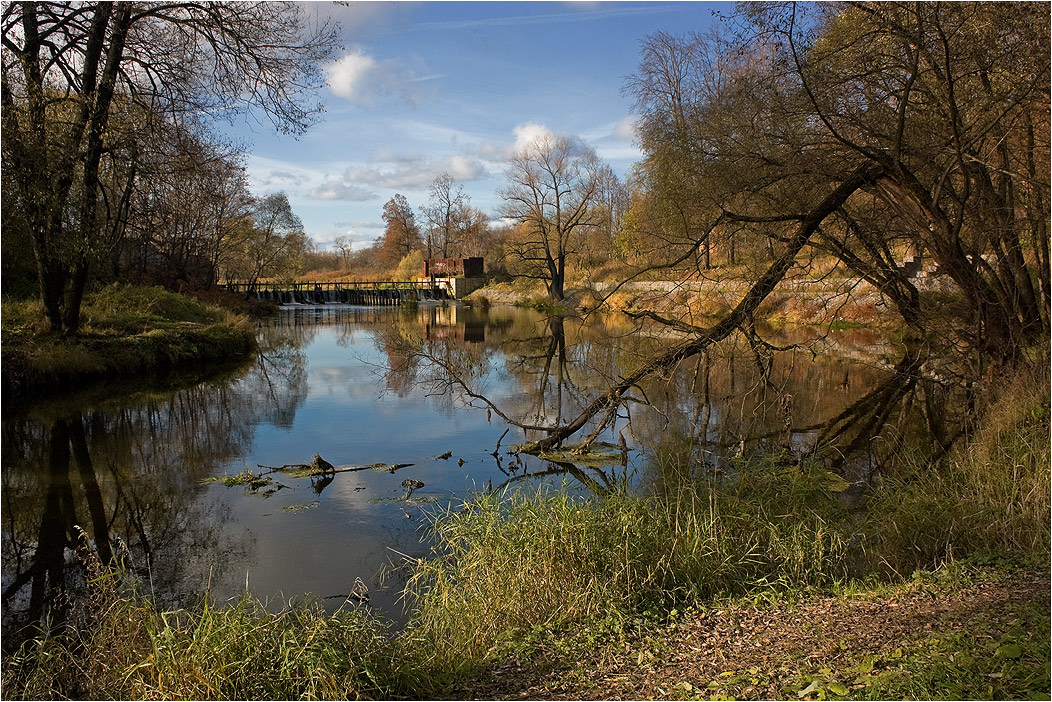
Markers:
point(444, 212)
point(188, 199)
point(67, 69)
point(476, 238)
point(554, 186)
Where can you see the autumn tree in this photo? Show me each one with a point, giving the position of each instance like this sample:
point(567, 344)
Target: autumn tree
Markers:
point(948, 102)
point(552, 192)
point(67, 69)
point(401, 234)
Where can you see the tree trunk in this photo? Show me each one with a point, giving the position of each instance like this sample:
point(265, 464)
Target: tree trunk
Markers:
point(556, 280)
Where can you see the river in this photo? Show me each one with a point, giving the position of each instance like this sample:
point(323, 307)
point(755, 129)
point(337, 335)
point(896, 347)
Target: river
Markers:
point(136, 469)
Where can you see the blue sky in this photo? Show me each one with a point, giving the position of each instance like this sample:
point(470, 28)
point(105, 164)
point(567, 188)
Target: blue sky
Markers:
point(431, 87)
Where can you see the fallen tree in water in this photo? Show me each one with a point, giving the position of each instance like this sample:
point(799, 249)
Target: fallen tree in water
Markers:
point(319, 467)
point(740, 318)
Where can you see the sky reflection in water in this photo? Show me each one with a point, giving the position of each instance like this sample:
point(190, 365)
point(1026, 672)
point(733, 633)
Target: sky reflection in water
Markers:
point(343, 382)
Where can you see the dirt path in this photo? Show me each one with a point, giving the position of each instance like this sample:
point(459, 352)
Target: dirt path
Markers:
point(755, 653)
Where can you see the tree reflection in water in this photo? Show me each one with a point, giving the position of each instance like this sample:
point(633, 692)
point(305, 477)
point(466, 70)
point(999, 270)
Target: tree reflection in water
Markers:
point(130, 474)
point(830, 396)
point(129, 471)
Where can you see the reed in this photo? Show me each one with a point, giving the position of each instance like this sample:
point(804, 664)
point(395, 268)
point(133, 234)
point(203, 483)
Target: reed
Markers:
point(989, 496)
point(121, 646)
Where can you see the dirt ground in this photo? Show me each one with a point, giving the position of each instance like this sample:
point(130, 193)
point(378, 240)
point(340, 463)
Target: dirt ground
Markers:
point(752, 653)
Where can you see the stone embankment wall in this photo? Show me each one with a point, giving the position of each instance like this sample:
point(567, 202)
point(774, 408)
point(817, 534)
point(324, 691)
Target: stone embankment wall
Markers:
point(818, 301)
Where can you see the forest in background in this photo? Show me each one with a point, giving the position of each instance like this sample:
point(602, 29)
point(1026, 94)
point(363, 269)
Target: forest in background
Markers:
point(882, 139)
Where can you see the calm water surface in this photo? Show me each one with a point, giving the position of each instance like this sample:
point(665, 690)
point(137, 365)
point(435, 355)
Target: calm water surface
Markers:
point(350, 384)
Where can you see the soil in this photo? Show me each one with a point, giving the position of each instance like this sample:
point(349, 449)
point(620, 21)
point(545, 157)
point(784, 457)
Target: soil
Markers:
point(751, 653)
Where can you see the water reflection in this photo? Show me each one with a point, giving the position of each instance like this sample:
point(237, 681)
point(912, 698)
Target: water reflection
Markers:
point(427, 387)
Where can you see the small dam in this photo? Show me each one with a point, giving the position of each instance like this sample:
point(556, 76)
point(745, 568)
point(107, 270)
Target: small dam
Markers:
point(376, 294)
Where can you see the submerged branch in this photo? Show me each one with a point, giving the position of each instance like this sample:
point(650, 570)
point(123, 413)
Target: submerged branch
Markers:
point(674, 323)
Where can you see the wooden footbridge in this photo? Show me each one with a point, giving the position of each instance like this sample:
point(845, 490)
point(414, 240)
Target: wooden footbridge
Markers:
point(372, 293)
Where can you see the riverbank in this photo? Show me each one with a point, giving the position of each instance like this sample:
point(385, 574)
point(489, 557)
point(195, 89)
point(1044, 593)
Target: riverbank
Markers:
point(761, 583)
point(962, 632)
point(126, 332)
point(837, 302)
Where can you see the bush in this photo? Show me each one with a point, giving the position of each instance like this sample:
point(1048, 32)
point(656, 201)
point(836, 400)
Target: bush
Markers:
point(410, 267)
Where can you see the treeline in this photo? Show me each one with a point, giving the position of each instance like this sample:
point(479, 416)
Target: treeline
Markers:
point(880, 138)
point(182, 217)
point(884, 136)
point(561, 206)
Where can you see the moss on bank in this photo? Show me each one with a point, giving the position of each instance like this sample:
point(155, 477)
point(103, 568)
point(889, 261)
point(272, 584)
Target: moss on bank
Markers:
point(125, 331)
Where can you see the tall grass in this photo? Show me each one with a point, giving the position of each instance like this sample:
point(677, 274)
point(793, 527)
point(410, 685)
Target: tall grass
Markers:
point(121, 646)
point(512, 564)
point(991, 494)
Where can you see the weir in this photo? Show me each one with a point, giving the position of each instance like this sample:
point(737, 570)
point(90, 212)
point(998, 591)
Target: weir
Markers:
point(378, 293)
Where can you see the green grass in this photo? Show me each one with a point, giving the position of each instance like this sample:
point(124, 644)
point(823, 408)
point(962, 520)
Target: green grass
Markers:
point(238, 651)
point(989, 496)
point(125, 331)
point(514, 564)
point(1001, 652)
point(1006, 657)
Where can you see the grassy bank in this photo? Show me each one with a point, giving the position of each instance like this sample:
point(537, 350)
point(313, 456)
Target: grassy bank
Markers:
point(125, 331)
point(759, 584)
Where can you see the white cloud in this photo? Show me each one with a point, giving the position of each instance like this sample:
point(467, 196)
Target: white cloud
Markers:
point(411, 172)
point(529, 133)
point(269, 174)
point(625, 130)
point(353, 224)
point(341, 191)
point(622, 155)
point(363, 80)
point(404, 175)
point(386, 154)
point(500, 223)
point(349, 77)
point(464, 168)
